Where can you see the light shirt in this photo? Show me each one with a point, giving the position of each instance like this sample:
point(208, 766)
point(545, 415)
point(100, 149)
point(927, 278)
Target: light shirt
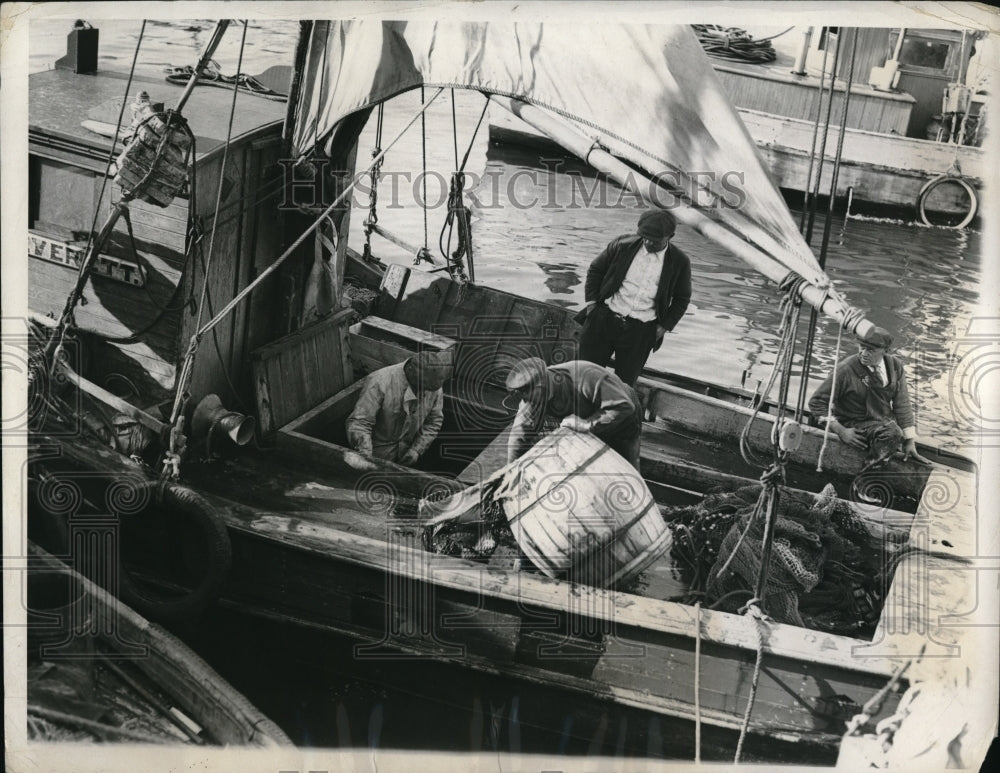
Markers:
point(389, 419)
point(879, 371)
point(637, 296)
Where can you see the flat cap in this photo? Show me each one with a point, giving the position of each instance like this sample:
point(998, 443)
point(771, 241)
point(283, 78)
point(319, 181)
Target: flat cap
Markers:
point(878, 337)
point(525, 372)
point(656, 224)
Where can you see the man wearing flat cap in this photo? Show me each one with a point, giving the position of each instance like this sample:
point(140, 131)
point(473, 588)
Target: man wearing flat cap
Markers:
point(636, 290)
point(871, 406)
point(579, 395)
point(401, 408)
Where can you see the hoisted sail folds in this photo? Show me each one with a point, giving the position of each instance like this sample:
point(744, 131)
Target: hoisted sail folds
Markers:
point(647, 92)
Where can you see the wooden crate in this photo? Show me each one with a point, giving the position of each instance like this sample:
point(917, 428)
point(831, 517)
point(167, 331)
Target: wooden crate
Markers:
point(300, 370)
point(375, 342)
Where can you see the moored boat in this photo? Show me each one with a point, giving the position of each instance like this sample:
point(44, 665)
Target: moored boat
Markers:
point(913, 121)
point(311, 532)
point(98, 671)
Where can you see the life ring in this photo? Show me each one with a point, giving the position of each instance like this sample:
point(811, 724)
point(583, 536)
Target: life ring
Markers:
point(183, 514)
point(930, 185)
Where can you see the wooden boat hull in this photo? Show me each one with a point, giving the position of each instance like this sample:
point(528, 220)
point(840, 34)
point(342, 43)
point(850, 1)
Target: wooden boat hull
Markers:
point(116, 634)
point(342, 566)
point(881, 169)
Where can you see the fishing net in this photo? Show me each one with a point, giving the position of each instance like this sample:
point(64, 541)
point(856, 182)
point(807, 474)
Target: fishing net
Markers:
point(487, 539)
point(826, 570)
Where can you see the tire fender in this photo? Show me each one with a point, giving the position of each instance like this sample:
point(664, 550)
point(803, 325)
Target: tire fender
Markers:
point(200, 517)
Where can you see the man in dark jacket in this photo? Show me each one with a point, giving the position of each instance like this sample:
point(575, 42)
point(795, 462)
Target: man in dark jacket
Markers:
point(579, 395)
point(637, 290)
point(871, 407)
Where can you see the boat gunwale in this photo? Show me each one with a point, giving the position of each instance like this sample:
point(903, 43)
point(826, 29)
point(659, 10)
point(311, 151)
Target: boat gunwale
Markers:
point(628, 609)
point(163, 651)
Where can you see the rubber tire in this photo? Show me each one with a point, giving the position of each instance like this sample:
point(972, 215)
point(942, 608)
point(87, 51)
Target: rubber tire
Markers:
point(212, 529)
point(932, 184)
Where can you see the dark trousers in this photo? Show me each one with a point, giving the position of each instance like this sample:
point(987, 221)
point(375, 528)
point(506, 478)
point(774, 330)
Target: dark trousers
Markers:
point(628, 339)
point(883, 437)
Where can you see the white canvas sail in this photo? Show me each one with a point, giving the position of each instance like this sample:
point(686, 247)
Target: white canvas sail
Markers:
point(647, 91)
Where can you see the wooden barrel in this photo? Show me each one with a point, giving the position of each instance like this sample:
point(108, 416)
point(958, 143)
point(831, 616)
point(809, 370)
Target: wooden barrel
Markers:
point(579, 511)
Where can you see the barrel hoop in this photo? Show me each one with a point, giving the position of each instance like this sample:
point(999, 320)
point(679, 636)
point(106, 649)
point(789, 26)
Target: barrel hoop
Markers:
point(619, 531)
point(594, 457)
point(644, 559)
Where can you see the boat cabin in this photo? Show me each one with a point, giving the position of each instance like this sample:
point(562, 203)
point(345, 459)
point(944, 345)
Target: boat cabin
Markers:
point(898, 83)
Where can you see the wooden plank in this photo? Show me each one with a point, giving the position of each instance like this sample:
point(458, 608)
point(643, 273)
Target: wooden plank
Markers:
point(225, 714)
point(705, 416)
point(417, 336)
point(268, 222)
point(536, 590)
point(378, 476)
point(866, 147)
point(300, 370)
point(369, 355)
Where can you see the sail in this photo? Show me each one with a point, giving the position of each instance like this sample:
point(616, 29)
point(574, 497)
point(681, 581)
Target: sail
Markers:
point(647, 92)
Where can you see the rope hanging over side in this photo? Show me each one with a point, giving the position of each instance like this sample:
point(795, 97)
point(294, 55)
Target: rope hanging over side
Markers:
point(697, 683)
point(758, 617)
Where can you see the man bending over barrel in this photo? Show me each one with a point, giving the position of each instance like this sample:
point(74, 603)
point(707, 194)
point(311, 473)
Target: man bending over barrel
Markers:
point(871, 407)
point(584, 396)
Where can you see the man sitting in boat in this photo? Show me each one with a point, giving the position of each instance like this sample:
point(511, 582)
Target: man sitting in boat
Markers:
point(636, 290)
point(871, 408)
point(401, 408)
point(582, 396)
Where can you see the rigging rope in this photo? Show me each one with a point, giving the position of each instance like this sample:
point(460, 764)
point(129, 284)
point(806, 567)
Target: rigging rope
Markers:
point(697, 683)
point(829, 407)
point(374, 175)
point(791, 288)
point(826, 131)
point(808, 206)
point(171, 458)
point(458, 213)
point(423, 159)
point(754, 611)
point(184, 378)
point(65, 320)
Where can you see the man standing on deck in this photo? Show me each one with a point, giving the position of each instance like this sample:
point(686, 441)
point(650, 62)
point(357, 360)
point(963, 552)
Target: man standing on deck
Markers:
point(871, 407)
point(636, 290)
point(581, 395)
point(401, 408)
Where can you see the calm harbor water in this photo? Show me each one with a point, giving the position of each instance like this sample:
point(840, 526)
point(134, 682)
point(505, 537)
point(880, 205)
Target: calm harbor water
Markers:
point(920, 283)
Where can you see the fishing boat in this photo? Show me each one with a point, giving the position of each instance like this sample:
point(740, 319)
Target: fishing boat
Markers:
point(228, 281)
point(100, 672)
point(906, 132)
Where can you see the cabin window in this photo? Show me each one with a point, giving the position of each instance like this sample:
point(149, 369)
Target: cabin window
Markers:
point(929, 52)
point(61, 201)
point(924, 53)
point(827, 38)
